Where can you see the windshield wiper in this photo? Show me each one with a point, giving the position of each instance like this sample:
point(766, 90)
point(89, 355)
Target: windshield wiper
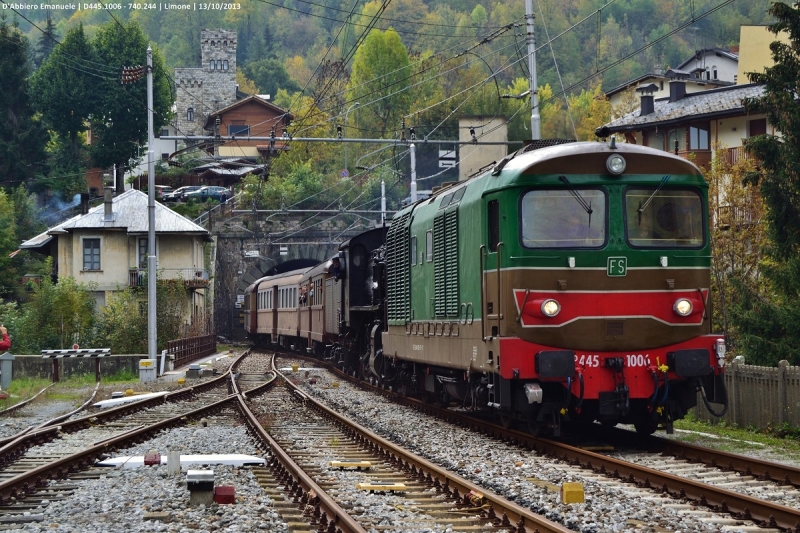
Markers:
point(586, 206)
point(643, 206)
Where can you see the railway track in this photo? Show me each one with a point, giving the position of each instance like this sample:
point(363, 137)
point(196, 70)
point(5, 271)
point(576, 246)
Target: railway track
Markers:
point(688, 489)
point(367, 473)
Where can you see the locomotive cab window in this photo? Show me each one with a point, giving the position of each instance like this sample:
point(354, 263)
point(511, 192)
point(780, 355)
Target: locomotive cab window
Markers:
point(563, 219)
point(664, 218)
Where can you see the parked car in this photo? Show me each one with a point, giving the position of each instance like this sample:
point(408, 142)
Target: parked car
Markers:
point(162, 191)
point(179, 193)
point(204, 193)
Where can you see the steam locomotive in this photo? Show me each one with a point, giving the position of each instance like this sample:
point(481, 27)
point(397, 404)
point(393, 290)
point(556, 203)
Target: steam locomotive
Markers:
point(566, 283)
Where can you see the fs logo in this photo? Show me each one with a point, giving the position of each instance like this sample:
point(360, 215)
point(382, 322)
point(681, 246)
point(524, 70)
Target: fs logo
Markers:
point(617, 266)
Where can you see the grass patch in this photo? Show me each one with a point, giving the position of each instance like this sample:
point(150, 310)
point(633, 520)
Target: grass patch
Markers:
point(21, 389)
point(724, 437)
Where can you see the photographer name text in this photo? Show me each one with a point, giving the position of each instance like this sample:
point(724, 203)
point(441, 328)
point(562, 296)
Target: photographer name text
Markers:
point(138, 6)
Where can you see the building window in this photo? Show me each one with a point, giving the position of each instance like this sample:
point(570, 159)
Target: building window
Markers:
point(190, 114)
point(238, 129)
point(219, 64)
point(698, 137)
point(164, 157)
point(211, 65)
point(164, 133)
point(91, 254)
point(675, 140)
point(714, 72)
point(224, 64)
point(757, 127)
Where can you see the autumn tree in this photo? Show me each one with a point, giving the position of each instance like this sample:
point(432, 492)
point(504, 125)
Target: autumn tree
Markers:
point(380, 78)
point(737, 238)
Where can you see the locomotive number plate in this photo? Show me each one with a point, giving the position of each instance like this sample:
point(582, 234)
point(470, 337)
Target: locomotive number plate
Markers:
point(617, 266)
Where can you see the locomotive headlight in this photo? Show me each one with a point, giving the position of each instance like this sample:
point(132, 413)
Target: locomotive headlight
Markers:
point(682, 307)
point(615, 164)
point(550, 308)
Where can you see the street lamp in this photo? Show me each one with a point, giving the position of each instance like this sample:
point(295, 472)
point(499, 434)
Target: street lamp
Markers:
point(344, 132)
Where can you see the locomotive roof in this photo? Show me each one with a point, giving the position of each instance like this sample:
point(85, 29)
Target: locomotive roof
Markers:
point(523, 159)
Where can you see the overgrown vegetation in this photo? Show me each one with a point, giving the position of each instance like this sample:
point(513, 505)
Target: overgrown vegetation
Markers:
point(724, 437)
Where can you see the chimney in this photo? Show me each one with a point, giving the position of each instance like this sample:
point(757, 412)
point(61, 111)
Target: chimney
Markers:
point(108, 200)
point(647, 105)
point(85, 203)
point(734, 49)
point(677, 90)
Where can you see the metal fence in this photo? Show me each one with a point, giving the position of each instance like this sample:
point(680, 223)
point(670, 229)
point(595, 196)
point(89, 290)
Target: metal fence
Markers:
point(192, 348)
point(759, 396)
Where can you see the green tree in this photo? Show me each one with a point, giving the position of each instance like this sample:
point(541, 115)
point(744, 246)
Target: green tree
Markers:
point(769, 320)
point(22, 137)
point(119, 123)
point(63, 87)
point(8, 243)
point(57, 316)
point(381, 76)
point(122, 323)
point(47, 42)
point(269, 75)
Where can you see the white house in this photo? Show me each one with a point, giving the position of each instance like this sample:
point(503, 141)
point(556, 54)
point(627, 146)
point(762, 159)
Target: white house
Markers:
point(108, 246)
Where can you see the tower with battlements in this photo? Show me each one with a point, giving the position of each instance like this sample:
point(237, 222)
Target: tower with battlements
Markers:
point(209, 87)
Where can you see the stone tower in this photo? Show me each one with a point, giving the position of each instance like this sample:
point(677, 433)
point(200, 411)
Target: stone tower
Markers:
point(208, 88)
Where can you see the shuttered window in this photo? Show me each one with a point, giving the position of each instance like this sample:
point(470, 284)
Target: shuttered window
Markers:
point(398, 271)
point(445, 264)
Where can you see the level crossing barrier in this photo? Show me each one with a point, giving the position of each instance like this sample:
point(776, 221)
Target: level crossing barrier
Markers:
point(94, 353)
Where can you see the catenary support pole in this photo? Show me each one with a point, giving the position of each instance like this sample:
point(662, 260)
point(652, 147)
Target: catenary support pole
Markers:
point(151, 216)
point(530, 39)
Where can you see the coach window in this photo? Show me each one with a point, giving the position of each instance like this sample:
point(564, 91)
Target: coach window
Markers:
point(562, 218)
point(429, 246)
point(91, 254)
point(413, 250)
point(664, 218)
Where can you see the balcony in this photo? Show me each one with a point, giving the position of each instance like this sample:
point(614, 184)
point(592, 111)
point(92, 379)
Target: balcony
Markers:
point(738, 154)
point(192, 278)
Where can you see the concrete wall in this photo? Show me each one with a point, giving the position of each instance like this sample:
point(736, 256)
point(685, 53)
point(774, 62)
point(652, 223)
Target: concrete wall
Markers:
point(30, 366)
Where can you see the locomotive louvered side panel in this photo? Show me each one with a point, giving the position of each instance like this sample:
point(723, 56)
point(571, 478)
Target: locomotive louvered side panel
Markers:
point(451, 263)
point(439, 267)
point(397, 271)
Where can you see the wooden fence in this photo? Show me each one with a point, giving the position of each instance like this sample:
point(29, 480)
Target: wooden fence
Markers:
point(192, 348)
point(759, 396)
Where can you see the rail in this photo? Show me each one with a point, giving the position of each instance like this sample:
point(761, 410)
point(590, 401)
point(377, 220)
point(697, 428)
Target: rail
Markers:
point(218, 209)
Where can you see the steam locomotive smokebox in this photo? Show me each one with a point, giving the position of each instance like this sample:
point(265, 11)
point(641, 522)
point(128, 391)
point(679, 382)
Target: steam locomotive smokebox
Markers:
point(689, 363)
point(555, 364)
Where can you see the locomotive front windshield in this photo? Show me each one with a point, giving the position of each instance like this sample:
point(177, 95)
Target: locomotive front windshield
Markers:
point(564, 218)
point(664, 218)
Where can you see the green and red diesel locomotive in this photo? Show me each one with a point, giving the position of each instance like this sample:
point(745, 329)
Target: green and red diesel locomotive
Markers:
point(568, 282)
